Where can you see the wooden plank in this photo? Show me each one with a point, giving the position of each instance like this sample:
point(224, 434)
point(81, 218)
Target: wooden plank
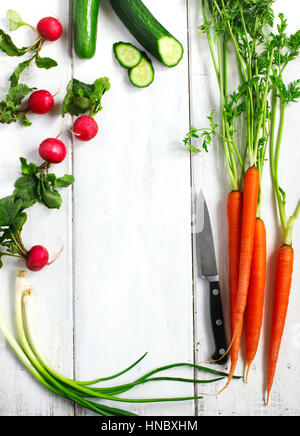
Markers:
point(20, 394)
point(209, 174)
point(133, 281)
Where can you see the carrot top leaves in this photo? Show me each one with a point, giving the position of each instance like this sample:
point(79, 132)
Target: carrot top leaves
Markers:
point(262, 52)
point(205, 135)
point(286, 49)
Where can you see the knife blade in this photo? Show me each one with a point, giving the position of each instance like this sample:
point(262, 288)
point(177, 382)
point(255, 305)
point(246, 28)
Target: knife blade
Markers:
point(209, 271)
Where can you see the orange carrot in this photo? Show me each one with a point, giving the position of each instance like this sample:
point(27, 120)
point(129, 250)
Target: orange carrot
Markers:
point(256, 292)
point(250, 201)
point(284, 272)
point(234, 213)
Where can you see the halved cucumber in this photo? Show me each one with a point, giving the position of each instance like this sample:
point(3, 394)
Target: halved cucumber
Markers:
point(170, 50)
point(142, 75)
point(148, 31)
point(127, 55)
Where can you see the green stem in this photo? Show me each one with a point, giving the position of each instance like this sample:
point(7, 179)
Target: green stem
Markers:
point(35, 44)
point(60, 381)
point(275, 170)
point(264, 105)
point(11, 255)
point(221, 74)
point(229, 156)
point(22, 252)
point(272, 136)
point(19, 238)
point(290, 227)
point(214, 59)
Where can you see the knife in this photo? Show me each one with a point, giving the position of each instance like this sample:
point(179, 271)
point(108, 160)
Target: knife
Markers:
point(208, 266)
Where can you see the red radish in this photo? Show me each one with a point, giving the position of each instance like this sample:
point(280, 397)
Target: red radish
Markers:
point(85, 128)
point(41, 102)
point(50, 28)
point(37, 258)
point(53, 150)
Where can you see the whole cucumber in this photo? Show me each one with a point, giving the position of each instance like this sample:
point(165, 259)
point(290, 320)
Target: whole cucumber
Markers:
point(85, 24)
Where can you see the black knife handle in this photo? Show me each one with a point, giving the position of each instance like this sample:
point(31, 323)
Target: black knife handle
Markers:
point(217, 321)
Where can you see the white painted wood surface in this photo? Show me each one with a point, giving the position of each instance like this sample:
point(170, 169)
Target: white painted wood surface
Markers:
point(124, 284)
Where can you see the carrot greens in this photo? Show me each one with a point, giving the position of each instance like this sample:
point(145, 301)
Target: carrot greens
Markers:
point(286, 50)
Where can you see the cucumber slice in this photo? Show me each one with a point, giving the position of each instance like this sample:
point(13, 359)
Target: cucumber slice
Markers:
point(170, 50)
point(148, 31)
point(127, 55)
point(142, 75)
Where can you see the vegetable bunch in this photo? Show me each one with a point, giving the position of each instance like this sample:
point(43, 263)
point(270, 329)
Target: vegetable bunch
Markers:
point(82, 98)
point(36, 185)
point(12, 108)
point(262, 56)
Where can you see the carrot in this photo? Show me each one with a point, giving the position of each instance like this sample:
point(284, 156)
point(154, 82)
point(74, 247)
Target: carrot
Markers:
point(250, 200)
point(285, 257)
point(284, 272)
point(256, 292)
point(234, 213)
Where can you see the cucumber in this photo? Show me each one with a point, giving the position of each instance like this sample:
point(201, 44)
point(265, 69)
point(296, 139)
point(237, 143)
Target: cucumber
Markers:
point(127, 55)
point(148, 31)
point(85, 24)
point(143, 74)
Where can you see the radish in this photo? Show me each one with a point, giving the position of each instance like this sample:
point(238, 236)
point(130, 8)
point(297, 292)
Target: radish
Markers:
point(85, 128)
point(53, 150)
point(41, 102)
point(50, 28)
point(37, 258)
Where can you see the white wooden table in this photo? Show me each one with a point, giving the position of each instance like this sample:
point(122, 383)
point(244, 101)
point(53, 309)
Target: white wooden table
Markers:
point(127, 281)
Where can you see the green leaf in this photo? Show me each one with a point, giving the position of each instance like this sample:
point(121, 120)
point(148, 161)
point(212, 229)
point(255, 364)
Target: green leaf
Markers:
point(14, 78)
point(82, 97)
point(18, 93)
point(10, 110)
point(10, 244)
point(65, 181)
point(81, 105)
point(8, 47)
point(15, 20)
point(9, 208)
point(26, 191)
point(45, 63)
point(18, 223)
point(101, 86)
point(25, 121)
point(26, 168)
point(6, 117)
point(51, 199)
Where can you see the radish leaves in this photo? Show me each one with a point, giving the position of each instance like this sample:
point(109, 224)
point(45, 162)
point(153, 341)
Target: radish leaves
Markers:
point(34, 186)
point(82, 98)
point(11, 108)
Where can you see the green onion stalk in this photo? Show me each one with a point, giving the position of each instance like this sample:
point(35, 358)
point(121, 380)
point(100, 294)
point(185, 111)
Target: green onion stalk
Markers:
point(84, 393)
